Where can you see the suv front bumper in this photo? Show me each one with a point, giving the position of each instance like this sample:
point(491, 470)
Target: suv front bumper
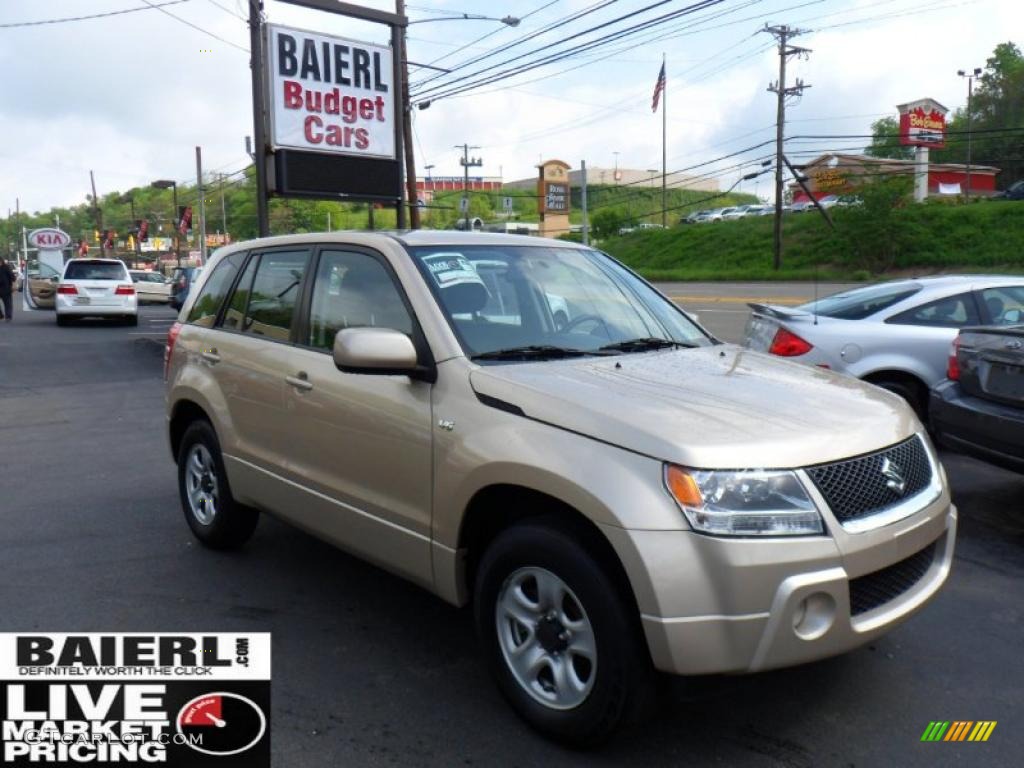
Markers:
point(716, 605)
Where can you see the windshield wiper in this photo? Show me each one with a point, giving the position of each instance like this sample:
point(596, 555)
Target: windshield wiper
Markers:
point(531, 350)
point(644, 344)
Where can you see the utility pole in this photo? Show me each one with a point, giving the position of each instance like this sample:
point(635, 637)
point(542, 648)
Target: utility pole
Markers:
point(202, 205)
point(970, 93)
point(410, 160)
point(223, 209)
point(583, 200)
point(783, 34)
point(258, 115)
point(467, 163)
point(97, 214)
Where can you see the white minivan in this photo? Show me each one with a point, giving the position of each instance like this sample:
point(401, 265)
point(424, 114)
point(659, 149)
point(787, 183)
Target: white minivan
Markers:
point(96, 288)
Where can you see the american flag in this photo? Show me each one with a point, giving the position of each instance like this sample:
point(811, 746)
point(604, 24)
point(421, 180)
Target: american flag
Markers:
point(658, 88)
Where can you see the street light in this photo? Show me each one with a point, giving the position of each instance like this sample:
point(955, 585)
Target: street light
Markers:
point(173, 185)
point(970, 92)
point(509, 21)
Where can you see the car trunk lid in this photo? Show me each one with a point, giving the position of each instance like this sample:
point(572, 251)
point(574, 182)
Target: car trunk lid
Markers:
point(991, 363)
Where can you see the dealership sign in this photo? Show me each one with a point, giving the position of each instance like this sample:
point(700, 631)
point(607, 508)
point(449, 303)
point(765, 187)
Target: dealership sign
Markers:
point(49, 239)
point(923, 124)
point(330, 94)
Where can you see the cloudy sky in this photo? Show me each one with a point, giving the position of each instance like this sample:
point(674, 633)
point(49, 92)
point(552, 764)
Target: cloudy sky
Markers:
point(130, 95)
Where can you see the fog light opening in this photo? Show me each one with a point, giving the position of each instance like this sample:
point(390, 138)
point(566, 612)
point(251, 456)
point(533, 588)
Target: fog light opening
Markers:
point(814, 616)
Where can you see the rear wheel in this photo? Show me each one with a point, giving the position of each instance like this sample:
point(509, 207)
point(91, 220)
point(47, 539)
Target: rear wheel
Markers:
point(62, 320)
point(216, 519)
point(132, 320)
point(559, 635)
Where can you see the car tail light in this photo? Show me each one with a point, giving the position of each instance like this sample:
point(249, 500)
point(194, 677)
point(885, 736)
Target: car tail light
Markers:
point(788, 344)
point(125, 290)
point(67, 289)
point(172, 337)
point(953, 368)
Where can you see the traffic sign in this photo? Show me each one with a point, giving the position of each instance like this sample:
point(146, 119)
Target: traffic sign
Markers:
point(506, 203)
point(464, 204)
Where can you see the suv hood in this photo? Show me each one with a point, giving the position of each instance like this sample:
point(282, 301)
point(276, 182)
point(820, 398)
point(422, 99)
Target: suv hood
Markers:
point(713, 407)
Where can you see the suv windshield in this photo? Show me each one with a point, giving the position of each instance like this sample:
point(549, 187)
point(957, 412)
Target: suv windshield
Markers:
point(94, 270)
point(861, 302)
point(540, 302)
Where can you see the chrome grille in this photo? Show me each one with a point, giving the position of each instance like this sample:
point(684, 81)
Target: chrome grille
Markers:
point(858, 488)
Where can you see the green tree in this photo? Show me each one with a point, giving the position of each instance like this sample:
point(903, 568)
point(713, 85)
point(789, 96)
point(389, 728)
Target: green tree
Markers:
point(885, 140)
point(874, 234)
point(607, 221)
point(997, 118)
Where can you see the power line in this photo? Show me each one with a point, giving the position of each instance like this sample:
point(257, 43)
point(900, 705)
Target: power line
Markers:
point(452, 87)
point(194, 26)
point(147, 7)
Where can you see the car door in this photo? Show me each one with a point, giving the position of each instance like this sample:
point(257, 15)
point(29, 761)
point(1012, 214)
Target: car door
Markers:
point(248, 356)
point(359, 444)
point(926, 331)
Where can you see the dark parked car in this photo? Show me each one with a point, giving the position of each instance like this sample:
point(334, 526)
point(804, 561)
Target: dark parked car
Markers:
point(980, 409)
point(1013, 192)
point(181, 283)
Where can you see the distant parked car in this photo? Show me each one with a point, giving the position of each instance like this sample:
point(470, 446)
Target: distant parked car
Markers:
point(182, 280)
point(735, 213)
point(96, 288)
point(828, 201)
point(895, 334)
point(980, 408)
point(800, 207)
point(719, 214)
point(151, 286)
point(649, 225)
point(1013, 192)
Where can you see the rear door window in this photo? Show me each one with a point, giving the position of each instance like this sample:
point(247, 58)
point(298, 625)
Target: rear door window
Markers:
point(208, 303)
point(275, 293)
point(950, 312)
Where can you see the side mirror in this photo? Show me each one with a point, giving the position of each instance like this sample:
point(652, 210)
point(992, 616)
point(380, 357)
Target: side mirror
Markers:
point(1011, 316)
point(381, 351)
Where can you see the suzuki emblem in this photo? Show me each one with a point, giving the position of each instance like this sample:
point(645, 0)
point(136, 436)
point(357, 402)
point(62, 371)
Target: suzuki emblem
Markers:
point(893, 475)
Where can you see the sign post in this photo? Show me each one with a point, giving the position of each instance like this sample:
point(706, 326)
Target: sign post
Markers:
point(329, 111)
point(922, 126)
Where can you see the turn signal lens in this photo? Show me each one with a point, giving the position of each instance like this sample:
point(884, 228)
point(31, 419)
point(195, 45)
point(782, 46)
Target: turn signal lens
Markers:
point(788, 344)
point(683, 487)
point(172, 337)
point(953, 368)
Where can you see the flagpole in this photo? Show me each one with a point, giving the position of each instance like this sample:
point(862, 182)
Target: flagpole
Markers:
point(664, 120)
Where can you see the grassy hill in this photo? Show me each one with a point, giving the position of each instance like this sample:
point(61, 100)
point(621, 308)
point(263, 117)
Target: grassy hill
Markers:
point(986, 236)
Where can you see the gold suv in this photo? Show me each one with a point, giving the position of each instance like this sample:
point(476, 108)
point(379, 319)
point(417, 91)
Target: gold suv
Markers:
point(527, 426)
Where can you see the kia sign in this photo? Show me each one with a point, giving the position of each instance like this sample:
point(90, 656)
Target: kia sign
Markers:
point(330, 94)
point(923, 124)
point(49, 239)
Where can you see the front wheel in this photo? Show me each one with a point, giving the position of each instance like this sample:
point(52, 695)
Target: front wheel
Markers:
point(216, 519)
point(560, 636)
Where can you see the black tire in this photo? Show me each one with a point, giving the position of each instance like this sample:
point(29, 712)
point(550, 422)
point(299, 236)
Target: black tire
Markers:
point(132, 320)
point(232, 524)
point(63, 321)
point(624, 680)
point(913, 393)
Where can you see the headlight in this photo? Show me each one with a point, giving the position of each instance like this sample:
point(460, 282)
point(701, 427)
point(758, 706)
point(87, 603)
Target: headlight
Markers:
point(743, 503)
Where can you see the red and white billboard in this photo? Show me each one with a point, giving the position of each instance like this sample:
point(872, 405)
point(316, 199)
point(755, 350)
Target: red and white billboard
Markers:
point(923, 124)
point(329, 94)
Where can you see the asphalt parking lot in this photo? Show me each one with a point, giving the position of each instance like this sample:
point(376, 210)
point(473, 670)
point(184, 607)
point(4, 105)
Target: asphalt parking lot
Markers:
point(370, 670)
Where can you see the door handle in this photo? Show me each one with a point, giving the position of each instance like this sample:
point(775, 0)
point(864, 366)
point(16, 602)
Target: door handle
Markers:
point(300, 381)
point(210, 356)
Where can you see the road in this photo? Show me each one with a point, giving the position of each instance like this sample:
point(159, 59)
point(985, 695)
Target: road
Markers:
point(370, 670)
point(722, 307)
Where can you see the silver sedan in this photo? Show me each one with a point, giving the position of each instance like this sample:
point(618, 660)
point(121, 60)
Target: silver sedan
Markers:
point(897, 335)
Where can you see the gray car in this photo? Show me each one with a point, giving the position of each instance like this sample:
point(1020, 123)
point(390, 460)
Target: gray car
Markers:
point(896, 334)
